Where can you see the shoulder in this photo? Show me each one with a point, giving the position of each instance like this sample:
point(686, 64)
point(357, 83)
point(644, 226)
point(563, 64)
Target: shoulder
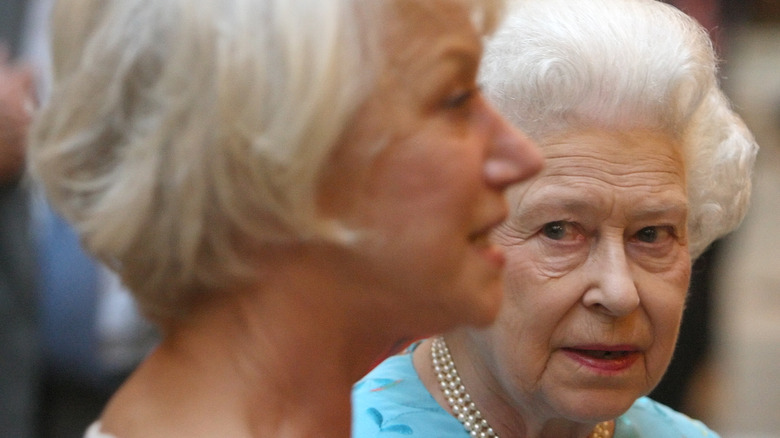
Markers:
point(649, 419)
point(392, 401)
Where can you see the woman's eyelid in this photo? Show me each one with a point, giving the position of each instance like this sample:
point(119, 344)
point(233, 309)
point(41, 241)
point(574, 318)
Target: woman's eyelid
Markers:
point(662, 228)
point(462, 95)
point(574, 225)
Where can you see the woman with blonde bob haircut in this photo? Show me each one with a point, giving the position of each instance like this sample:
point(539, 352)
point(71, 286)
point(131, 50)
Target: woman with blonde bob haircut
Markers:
point(645, 165)
point(288, 188)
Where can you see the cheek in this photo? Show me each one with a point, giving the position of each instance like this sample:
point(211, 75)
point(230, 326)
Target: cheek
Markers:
point(557, 262)
point(421, 175)
point(535, 303)
point(408, 198)
point(523, 286)
point(514, 350)
point(519, 343)
point(664, 300)
point(664, 295)
point(547, 260)
point(548, 282)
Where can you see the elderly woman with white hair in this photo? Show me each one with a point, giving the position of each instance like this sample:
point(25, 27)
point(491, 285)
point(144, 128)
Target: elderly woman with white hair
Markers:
point(288, 188)
point(645, 165)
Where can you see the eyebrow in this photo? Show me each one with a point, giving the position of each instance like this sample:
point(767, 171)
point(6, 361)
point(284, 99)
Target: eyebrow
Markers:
point(669, 208)
point(458, 49)
point(575, 206)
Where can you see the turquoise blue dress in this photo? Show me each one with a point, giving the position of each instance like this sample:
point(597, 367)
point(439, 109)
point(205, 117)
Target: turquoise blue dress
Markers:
point(391, 401)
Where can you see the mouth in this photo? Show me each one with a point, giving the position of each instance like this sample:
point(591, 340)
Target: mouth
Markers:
point(604, 359)
point(481, 237)
point(480, 240)
point(601, 354)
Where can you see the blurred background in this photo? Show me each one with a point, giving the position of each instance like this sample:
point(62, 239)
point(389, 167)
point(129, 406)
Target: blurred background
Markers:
point(69, 333)
point(737, 390)
point(725, 369)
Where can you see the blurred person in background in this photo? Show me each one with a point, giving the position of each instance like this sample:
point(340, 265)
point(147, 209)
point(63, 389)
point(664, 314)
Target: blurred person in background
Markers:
point(645, 165)
point(69, 332)
point(19, 342)
point(289, 190)
point(91, 333)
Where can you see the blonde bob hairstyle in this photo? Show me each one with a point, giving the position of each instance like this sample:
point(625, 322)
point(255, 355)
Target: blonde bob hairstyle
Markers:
point(180, 133)
point(561, 66)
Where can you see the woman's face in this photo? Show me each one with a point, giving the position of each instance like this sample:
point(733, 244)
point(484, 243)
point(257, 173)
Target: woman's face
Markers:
point(421, 172)
point(596, 277)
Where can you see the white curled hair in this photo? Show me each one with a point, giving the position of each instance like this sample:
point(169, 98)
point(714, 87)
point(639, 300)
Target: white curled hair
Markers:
point(179, 133)
point(558, 66)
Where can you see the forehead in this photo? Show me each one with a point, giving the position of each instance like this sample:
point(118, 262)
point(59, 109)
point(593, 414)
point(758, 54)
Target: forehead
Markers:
point(644, 168)
point(626, 157)
point(418, 29)
point(430, 12)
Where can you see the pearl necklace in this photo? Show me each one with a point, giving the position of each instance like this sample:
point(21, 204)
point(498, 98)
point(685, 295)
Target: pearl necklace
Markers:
point(464, 409)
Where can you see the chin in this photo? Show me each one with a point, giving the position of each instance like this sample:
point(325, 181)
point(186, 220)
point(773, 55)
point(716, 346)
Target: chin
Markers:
point(477, 311)
point(599, 406)
point(484, 310)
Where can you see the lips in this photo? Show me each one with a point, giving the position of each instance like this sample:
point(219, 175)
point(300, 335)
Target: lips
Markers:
point(481, 241)
point(604, 359)
point(601, 354)
point(480, 238)
point(483, 233)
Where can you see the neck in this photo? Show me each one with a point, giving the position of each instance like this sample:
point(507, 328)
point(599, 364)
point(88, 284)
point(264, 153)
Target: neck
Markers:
point(280, 362)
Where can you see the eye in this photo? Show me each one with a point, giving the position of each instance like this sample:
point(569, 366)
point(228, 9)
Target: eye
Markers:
point(647, 234)
point(559, 230)
point(654, 234)
point(461, 98)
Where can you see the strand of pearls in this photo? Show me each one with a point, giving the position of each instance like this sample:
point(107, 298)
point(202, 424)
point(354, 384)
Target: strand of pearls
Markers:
point(460, 401)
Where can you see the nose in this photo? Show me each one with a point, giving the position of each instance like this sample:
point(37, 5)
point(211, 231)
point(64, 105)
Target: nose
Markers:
point(612, 289)
point(512, 156)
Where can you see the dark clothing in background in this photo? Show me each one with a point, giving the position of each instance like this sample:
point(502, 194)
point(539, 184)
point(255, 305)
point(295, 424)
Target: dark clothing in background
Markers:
point(19, 348)
point(19, 342)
